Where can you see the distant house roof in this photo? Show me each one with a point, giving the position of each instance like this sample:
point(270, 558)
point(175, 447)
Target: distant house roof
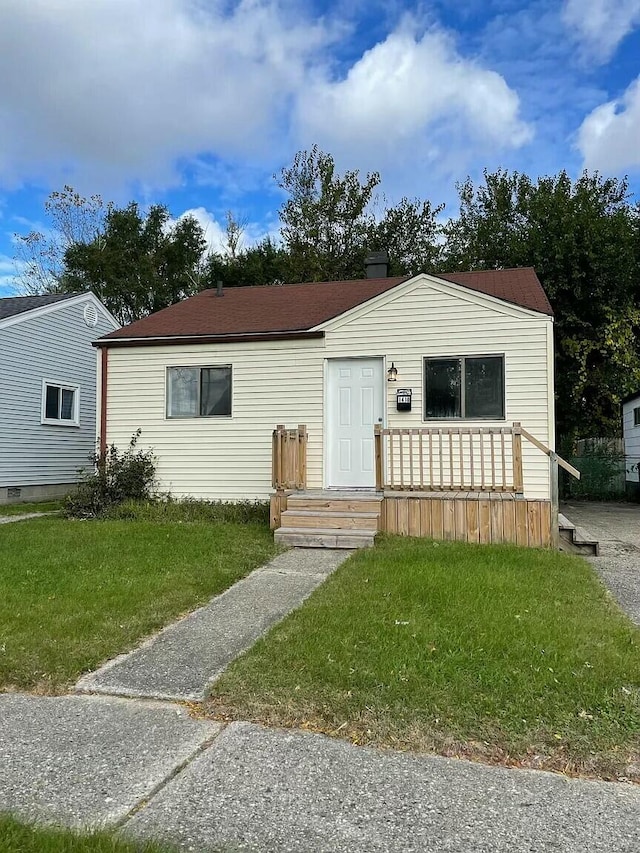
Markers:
point(297, 308)
point(12, 305)
point(630, 397)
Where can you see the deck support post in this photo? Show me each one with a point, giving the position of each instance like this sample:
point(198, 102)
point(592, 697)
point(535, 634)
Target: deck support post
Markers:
point(516, 449)
point(555, 505)
point(377, 439)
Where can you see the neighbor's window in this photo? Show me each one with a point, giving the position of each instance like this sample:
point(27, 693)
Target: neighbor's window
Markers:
point(198, 392)
point(636, 416)
point(465, 387)
point(60, 404)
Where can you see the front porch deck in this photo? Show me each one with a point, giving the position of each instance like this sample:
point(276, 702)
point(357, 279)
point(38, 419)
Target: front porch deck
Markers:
point(453, 484)
point(318, 518)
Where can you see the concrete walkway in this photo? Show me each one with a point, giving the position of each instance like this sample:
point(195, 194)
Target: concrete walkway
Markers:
point(7, 519)
point(184, 659)
point(150, 770)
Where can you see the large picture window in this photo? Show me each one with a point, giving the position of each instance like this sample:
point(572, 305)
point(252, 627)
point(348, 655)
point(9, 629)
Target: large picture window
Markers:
point(199, 392)
point(60, 404)
point(469, 387)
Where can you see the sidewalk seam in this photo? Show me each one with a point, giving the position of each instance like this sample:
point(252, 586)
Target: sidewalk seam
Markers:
point(140, 806)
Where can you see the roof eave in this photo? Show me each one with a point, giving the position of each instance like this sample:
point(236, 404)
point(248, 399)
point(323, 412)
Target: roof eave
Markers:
point(168, 340)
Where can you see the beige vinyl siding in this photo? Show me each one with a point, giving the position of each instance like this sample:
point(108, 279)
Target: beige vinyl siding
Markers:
point(283, 382)
point(219, 458)
point(422, 319)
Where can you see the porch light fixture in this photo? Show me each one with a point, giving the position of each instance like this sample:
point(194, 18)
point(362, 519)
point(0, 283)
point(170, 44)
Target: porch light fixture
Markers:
point(392, 373)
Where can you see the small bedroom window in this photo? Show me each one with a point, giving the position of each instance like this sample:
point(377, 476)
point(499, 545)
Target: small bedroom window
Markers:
point(199, 392)
point(60, 404)
point(469, 387)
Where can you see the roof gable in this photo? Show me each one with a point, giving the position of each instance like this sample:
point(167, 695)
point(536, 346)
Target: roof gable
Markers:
point(295, 308)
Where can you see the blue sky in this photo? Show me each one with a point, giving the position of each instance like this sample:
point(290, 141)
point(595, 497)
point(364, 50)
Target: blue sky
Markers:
point(197, 103)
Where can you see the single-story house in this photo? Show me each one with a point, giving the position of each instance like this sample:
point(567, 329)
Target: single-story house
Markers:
point(408, 391)
point(631, 435)
point(47, 391)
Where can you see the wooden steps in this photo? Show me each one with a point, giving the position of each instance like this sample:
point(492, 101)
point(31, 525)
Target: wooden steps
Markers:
point(330, 521)
point(576, 539)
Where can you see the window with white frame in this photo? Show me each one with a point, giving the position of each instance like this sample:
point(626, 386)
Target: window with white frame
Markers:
point(199, 392)
point(470, 387)
point(636, 416)
point(60, 404)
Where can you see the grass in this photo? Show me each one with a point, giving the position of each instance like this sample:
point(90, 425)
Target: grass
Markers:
point(512, 655)
point(17, 837)
point(190, 509)
point(23, 509)
point(75, 593)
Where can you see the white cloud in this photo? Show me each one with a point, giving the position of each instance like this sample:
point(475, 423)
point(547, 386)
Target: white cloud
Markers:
point(121, 89)
point(215, 232)
point(608, 137)
point(600, 25)
point(413, 97)
point(107, 93)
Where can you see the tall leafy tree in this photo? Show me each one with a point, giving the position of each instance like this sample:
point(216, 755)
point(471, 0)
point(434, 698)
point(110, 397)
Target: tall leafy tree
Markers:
point(139, 263)
point(265, 263)
point(582, 236)
point(410, 232)
point(329, 223)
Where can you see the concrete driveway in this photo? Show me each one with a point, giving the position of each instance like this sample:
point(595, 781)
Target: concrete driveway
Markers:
point(617, 528)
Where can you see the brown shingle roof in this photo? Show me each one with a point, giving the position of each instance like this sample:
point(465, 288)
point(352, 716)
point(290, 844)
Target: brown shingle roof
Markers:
point(519, 285)
point(300, 307)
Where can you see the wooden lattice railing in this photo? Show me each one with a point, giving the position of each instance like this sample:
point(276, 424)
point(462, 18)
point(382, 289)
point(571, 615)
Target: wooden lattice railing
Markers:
point(289, 458)
point(449, 459)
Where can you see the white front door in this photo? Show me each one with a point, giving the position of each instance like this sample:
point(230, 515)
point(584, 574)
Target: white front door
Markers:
point(354, 401)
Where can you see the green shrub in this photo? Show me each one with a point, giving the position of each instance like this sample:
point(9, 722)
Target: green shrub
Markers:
point(167, 508)
point(116, 477)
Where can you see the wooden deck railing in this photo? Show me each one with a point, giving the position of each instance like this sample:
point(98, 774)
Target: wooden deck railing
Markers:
point(449, 459)
point(554, 462)
point(289, 458)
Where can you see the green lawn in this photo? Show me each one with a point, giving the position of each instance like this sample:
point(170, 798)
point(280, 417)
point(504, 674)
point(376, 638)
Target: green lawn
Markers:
point(17, 837)
point(24, 509)
point(500, 653)
point(75, 593)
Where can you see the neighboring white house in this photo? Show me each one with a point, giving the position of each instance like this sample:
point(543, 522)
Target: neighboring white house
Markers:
point(631, 435)
point(47, 391)
point(208, 379)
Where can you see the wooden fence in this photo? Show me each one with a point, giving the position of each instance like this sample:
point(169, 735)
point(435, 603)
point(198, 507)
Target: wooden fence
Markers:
point(289, 458)
point(449, 459)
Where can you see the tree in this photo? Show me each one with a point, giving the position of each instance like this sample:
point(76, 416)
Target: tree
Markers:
point(74, 219)
point(328, 222)
point(139, 263)
point(410, 232)
point(325, 220)
point(264, 263)
point(582, 238)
